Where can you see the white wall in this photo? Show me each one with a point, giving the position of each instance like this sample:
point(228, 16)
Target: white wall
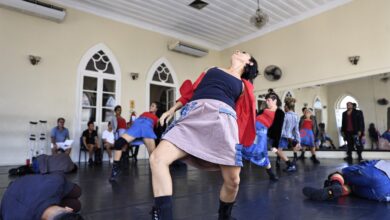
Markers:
point(48, 90)
point(316, 50)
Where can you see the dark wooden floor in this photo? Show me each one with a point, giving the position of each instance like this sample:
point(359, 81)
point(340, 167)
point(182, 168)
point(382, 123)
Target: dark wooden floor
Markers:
point(196, 194)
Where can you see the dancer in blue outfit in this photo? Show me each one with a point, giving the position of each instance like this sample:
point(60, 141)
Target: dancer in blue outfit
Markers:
point(258, 152)
point(369, 180)
point(142, 128)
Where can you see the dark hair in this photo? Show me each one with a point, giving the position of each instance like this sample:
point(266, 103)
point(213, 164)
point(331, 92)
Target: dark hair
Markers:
point(354, 105)
point(271, 94)
point(250, 71)
point(109, 123)
point(68, 216)
point(157, 104)
point(116, 107)
point(303, 109)
point(321, 125)
point(60, 118)
point(90, 122)
point(290, 103)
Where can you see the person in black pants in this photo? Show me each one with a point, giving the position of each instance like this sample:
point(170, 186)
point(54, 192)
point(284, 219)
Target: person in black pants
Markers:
point(351, 130)
point(38, 197)
point(91, 142)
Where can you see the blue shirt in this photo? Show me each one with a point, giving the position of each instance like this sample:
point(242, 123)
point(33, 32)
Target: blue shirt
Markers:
point(59, 135)
point(290, 127)
point(219, 85)
point(29, 196)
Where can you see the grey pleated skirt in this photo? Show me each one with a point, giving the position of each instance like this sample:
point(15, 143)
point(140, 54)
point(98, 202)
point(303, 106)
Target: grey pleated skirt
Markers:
point(207, 130)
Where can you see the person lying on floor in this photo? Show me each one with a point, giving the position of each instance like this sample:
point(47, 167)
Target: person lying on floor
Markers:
point(44, 164)
point(41, 197)
point(368, 179)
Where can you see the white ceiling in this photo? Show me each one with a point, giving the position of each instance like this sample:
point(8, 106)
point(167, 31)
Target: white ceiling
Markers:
point(221, 24)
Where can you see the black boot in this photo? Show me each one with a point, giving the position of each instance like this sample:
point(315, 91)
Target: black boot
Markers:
point(116, 169)
point(295, 157)
point(277, 162)
point(302, 157)
point(314, 159)
point(162, 209)
point(225, 210)
point(290, 167)
point(333, 191)
point(136, 148)
point(98, 156)
point(272, 175)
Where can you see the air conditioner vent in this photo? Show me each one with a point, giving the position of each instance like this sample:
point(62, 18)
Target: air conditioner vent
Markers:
point(188, 49)
point(36, 8)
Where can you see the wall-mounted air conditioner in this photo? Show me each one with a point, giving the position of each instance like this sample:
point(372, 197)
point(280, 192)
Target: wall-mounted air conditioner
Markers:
point(188, 49)
point(36, 8)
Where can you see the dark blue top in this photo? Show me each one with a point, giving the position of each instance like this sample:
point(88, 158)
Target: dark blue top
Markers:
point(219, 85)
point(27, 197)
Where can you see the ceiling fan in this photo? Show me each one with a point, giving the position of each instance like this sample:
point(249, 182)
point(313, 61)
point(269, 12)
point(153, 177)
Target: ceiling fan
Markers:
point(260, 18)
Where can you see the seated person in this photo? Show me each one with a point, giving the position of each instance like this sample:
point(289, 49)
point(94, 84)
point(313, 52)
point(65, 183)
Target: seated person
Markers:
point(386, 135)
point(91, 142)
point(108, 140)
point(324, 137)
point(369, 180)
point(38, 197)
point(58, 135)
point(44, 164)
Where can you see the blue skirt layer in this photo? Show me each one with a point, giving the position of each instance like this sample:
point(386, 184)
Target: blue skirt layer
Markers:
point(142, 128)
point(258, 152)
point(307, 137)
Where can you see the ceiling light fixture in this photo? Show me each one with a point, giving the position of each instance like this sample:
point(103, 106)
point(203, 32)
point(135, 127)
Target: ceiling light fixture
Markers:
point(260, 18)
point(198, 4)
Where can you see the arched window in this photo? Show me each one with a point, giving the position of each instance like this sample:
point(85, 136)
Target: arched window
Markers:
point(161, 85)
point(99, 87)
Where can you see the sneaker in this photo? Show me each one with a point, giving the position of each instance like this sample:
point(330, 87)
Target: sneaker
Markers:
point(328, 193)
point(290, 168)
point(155, 213)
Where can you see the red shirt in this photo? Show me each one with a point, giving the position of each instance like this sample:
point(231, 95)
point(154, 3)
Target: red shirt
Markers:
point(349, 122)
point(307, 124)
point(151, 116)
point(121, 122)
point(267, 118)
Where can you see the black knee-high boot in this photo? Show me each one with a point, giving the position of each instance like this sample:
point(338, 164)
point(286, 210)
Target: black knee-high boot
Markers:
point(272, 175)
point(277, 162)
point(116, 169)
point(302, 157)
point(225, 210)
point(162, 209)
point(295, 157)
